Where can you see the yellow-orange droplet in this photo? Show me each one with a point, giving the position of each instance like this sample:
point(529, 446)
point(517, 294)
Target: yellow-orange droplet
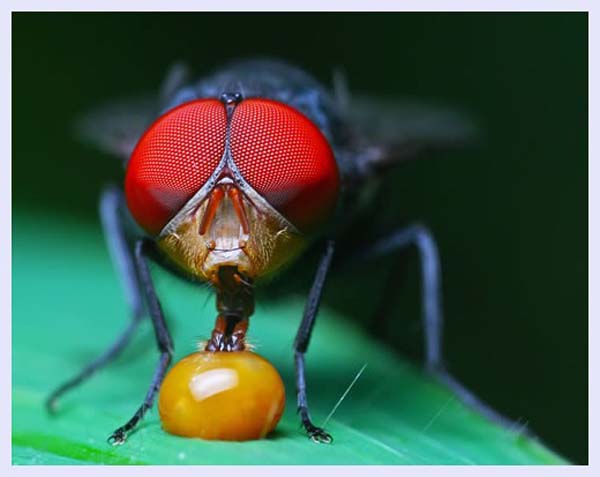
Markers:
point(232, 396)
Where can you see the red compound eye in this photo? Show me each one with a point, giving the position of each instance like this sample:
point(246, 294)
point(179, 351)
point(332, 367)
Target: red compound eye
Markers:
point(173, 160)
point(286, 159)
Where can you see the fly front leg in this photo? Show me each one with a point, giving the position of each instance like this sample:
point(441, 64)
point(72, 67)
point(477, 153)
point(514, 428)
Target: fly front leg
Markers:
point(420, 237)
point(112, 207)
point(301, 345)
point(145, 249)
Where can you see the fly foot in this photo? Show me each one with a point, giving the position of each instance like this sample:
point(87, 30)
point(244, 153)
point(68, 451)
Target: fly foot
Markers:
point(51, 405)
point(117, 438)
point(318, 435)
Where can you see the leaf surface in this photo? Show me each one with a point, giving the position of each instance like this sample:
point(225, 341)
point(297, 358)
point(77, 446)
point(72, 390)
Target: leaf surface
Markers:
point(68, 307)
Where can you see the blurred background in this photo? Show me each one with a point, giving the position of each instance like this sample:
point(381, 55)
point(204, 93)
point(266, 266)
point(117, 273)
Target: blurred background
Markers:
point(510, 213)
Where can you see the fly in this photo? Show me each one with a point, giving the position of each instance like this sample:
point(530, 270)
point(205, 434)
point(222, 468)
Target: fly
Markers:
point(234, 176)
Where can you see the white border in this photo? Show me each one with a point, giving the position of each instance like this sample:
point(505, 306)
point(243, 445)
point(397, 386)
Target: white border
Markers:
point(289, 5)
point(301, 5)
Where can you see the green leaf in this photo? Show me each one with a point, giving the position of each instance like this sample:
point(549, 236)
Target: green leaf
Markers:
point(68, 306)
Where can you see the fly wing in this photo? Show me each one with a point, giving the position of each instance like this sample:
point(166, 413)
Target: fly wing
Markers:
point(116, 127)
point(399, 130)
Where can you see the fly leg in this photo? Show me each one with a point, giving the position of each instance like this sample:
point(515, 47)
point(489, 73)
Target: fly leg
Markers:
point(419, 236)
point(111, 209)
point(144, 249)
point(301, 344)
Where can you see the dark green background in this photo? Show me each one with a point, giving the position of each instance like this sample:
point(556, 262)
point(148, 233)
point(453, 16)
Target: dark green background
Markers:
point(510, 214)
